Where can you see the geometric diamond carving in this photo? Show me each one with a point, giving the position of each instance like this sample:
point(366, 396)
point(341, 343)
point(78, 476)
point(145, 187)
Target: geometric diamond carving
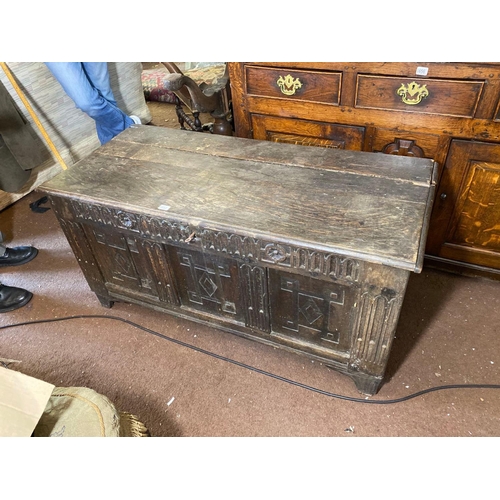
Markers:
point(311, 311)
point(207, 284)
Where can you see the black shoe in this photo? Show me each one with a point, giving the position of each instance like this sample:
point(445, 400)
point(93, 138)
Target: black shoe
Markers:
point(12, 298)
point(17, 256)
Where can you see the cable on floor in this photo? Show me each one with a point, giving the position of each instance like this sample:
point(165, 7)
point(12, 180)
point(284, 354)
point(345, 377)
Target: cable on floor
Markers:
point(258, 370)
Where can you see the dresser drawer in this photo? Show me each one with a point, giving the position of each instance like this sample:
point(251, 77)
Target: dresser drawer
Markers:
point(431, 96)
point(315, 86)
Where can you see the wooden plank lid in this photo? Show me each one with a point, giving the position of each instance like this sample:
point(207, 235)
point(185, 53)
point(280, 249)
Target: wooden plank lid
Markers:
point(367, 205)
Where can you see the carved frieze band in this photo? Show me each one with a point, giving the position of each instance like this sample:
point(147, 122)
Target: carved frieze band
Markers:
point(337, 267)
point(145, 225)
point(374, 327)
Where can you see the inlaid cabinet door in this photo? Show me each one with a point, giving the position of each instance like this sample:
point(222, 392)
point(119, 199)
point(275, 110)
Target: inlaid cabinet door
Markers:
point(466, 217)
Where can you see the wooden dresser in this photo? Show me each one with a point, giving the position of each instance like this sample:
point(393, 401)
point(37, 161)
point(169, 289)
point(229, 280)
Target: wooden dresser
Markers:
point(449, 112)
point(306, 249)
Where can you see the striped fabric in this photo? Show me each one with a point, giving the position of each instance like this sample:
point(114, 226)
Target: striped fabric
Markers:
point(72, 131)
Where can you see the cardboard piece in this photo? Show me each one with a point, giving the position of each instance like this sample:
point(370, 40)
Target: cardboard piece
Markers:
point(22, 402)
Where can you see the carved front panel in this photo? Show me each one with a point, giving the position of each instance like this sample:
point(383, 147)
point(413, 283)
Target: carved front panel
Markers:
point(208, 283)
point(132, 266)
point(312, 311)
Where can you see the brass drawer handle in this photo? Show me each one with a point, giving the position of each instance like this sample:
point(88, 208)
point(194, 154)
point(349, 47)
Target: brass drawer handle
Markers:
point(412, 93)
point(288, 85)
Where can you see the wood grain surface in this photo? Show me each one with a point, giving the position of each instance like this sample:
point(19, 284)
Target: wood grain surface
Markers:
point(366, 205)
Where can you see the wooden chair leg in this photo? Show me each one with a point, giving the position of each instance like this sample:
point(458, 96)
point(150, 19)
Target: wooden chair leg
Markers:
point(184, 118)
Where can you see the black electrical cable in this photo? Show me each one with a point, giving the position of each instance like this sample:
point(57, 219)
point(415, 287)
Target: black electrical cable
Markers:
point(258, 370)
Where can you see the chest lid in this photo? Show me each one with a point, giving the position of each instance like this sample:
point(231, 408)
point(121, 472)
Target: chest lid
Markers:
point(367, 205)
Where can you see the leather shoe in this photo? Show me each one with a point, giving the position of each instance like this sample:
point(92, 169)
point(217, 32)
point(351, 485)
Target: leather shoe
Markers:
point(17, 256)
point(12, 298)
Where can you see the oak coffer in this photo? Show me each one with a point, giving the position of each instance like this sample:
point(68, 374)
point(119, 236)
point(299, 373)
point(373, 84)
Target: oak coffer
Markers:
point(307, 249)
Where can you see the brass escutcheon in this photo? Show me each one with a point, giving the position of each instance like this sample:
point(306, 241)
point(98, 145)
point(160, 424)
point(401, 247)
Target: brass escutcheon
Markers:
point(288, 85)
point(412, 93)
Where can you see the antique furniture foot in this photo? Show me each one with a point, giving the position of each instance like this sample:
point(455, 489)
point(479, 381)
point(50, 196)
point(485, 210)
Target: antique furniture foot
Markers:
point(105, 301)
point(366, 384)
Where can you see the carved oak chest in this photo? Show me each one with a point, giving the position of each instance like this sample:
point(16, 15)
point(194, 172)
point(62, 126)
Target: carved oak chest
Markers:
point(303, 248)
